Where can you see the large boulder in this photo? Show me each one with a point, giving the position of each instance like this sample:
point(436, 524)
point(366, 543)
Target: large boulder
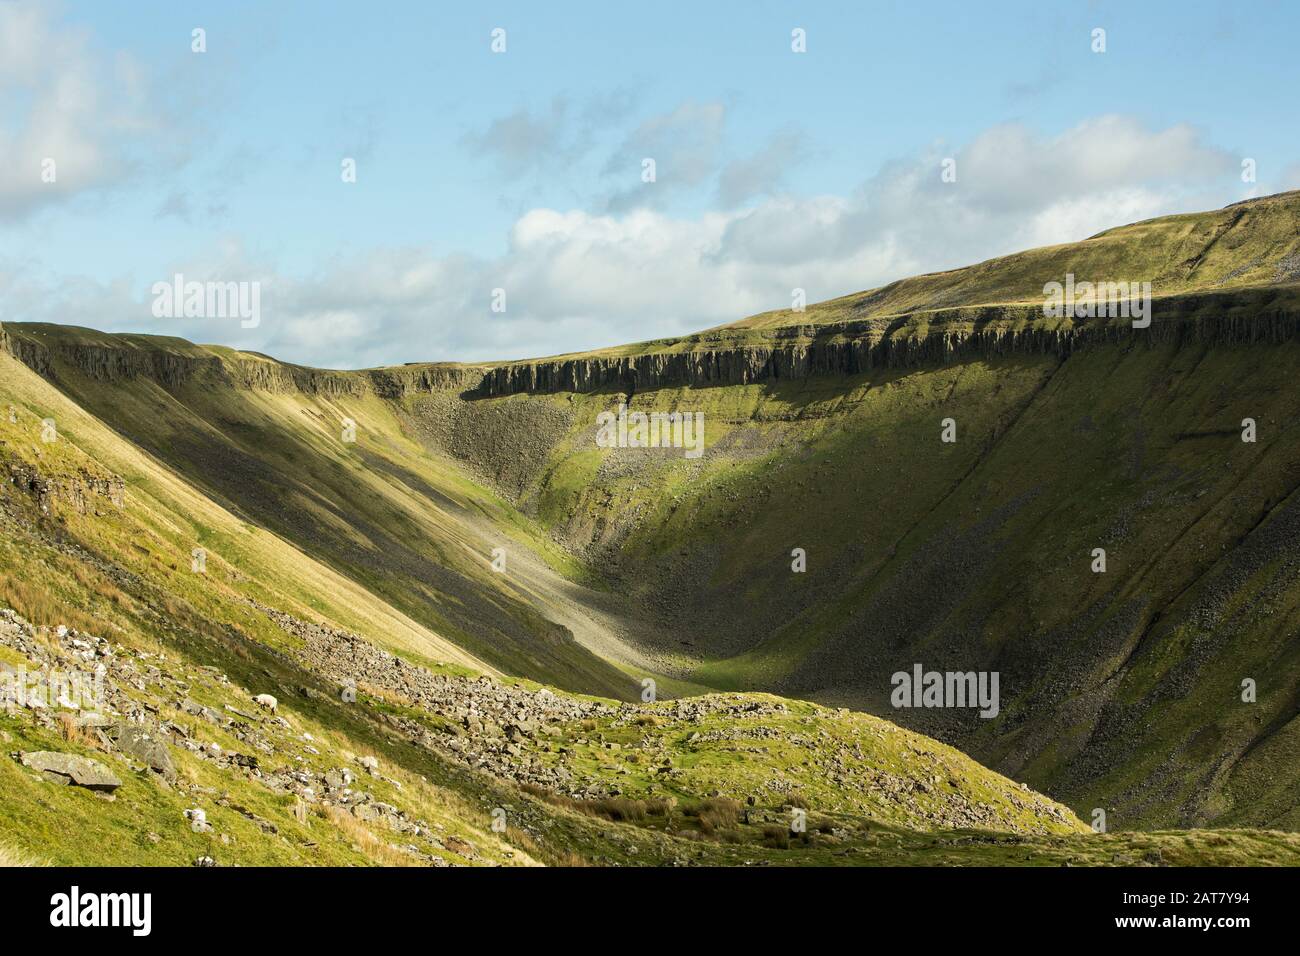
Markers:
point(69, 769)
point(144, 743)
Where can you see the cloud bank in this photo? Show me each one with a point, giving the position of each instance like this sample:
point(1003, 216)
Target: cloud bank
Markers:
point(577, 279)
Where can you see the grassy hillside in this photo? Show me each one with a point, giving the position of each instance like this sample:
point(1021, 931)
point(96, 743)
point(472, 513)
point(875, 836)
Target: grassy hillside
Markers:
point(978, 555)
point(396, 776)
point(1124, 688)
point(94, 575)
point(1120, 690)
point(406, 527)
point(1245, 245)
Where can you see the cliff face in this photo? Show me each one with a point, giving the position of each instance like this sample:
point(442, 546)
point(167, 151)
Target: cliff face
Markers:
point(81, 490)
point(723, 357)
point(112, 358)
point(850, 348)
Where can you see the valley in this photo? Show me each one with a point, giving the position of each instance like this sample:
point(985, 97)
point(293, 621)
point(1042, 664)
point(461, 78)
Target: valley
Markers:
point(630, 564)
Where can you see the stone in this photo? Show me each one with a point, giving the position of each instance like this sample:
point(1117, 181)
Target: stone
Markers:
point(145, 745)
point(69, 769)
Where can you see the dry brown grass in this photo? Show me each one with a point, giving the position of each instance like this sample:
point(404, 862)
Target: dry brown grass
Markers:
point(620, 809)
point(73, 732)
point(96, 583)
point(11, 857)
point(716, 813)
point(38, 603)
point(571, 859)
point(522, 840)
point(365, 842)
point(616, 809)
point(383, 693)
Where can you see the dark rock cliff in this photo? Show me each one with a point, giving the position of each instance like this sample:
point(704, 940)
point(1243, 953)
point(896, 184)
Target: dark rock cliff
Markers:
point(721, 357)
point(849, 348)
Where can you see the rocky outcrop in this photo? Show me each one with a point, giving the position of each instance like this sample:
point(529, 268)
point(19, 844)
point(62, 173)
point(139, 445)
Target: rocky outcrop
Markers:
point(136, 689)
point(728, 356)
point(486, 724)
point(174, 364)
point(70, 769)
point(82, 490)
point(851, 348)
point(145, 743)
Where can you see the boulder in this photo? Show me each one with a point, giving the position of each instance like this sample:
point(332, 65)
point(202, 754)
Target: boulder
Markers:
point(69, 769)
point(145, 745)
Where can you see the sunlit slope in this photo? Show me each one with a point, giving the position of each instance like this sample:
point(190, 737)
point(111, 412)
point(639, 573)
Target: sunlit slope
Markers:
point(166, 519)
point(1121, 688)
point(711, 781)
point(377, 509)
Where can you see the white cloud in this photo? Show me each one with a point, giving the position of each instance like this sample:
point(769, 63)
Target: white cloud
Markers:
point(577, 279)
point(66, 102)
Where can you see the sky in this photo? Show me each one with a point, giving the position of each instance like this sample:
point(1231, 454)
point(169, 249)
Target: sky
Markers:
point(501, 205)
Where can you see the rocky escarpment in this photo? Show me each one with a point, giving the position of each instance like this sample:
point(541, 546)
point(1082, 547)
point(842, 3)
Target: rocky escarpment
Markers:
point(1253, 316)
point(174, 364)
point(854, 347)
point(82, 490)
point(271, 376)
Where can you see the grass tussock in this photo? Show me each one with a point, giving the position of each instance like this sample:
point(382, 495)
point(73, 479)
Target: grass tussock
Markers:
point(776, 837)
point(715, 814)
point(615, 809)
point(11, 857)
point(364, 841)
point(75, 733)
point(41, 606)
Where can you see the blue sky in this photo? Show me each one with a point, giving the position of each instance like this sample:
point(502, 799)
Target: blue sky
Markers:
point(522, 170)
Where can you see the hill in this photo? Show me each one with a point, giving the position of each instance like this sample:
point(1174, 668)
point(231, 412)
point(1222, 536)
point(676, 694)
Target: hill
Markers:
point(1121, 689)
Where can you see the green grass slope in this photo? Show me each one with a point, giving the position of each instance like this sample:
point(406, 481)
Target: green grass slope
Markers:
point(377, 510)
point(98, 570)
point(1121, 690)
point(96, 575)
